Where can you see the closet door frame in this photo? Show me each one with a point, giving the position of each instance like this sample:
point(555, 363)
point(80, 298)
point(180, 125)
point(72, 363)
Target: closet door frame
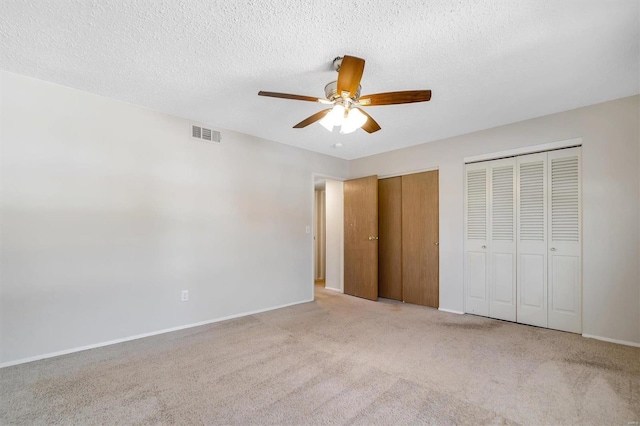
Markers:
point(546, 151)
point(436, 243)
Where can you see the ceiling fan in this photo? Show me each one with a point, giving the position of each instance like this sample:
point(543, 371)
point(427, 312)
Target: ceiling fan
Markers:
point(344, 95)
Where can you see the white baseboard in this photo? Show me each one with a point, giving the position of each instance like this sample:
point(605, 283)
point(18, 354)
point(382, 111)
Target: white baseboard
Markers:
point(142, 336)
point(606, 339)
point(451, 311)
point(334, 289)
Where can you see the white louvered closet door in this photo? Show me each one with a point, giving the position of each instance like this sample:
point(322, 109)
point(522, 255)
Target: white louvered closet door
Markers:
point(565, 220)
point(502, 239)
point(532, 239)
point(476, 218)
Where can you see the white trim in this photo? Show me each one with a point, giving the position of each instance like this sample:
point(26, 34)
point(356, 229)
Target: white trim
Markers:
point(606, 339)
point(451, 311)
point(429, 169)
point(524, 150)
point(334, 289)
point(142, 336)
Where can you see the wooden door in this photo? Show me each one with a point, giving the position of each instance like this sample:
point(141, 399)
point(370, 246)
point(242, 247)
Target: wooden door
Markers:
point(361, 237)
point(420, 254)
point(476, 225)
point(390, 243)
point(563, 230)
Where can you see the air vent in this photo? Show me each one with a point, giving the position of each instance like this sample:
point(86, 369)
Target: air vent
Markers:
point(205, 134)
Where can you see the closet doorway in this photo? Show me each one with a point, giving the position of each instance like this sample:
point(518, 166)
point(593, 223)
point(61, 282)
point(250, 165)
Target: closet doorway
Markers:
point(391, 229)
point(319, 232)
point(523, 226)
point(408, 246)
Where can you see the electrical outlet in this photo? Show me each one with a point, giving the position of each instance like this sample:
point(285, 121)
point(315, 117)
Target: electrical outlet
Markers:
point(185, 295)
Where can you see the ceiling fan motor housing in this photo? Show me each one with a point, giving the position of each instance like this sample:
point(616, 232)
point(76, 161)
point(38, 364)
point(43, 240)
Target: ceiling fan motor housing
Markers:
point(331, 92)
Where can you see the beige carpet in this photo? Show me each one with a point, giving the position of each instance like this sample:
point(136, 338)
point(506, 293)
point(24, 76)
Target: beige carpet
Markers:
point(338, 360)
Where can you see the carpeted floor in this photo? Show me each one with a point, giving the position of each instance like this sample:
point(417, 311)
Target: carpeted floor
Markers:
point(338, 360)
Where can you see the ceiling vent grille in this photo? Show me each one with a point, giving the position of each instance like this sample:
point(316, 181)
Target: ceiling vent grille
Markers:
point(205, 134)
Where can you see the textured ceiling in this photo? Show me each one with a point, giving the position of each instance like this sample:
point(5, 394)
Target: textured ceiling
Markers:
point(488, 62)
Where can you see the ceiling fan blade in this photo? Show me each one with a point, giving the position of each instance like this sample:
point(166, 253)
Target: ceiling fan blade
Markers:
point(310, 120)
point(393, 98)
point(289, 96)
point(350, 75)
point(370, 125)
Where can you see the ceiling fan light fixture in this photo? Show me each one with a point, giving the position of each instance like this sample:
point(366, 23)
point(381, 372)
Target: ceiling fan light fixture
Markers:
point(327, 122)
point(355, 119)
point(337, 115)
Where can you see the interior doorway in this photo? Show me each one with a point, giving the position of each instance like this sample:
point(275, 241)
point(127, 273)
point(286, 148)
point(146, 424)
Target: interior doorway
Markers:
point(328, 246)
point(319, 232)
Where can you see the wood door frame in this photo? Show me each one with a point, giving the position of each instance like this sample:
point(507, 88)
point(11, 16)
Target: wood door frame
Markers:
point(412, 172)
point(315, 176)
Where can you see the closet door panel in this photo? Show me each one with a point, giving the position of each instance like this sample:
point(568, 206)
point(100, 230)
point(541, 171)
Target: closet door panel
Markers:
point(565, 223)
point(503, 274)
point(390, 233)
point(420, 253)
point(476, 225)
point(502, 239)
point(531, 239)
point(360, 244)
point(532, 291)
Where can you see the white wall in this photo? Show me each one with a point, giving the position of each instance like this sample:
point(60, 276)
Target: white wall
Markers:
point(334, 235)
point(611, 188)
point(109, 210)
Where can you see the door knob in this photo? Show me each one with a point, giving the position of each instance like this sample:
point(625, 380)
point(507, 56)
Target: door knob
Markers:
point(553, 249)
point(437, 243)
point(484, 246)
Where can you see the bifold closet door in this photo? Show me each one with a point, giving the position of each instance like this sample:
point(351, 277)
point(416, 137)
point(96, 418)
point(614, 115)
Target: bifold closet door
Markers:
point(476, 224)
point(490, 223)
point(565, 220)
point(534, 278)
point(420, 251)
point(390, 243)
point(532, 239)
point(502, 239)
